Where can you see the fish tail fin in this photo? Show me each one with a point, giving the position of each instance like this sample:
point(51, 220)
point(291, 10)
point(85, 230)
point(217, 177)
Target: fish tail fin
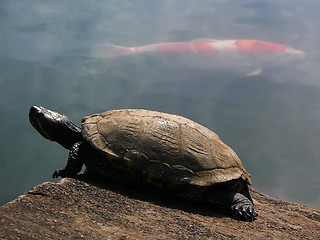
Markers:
point(108, 51)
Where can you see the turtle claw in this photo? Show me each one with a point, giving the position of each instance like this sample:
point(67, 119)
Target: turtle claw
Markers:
point(57, 173)
point(244, 212)
point(63, 172)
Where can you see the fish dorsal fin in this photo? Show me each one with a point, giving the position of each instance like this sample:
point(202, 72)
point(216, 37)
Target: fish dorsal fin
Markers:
point(204, 40)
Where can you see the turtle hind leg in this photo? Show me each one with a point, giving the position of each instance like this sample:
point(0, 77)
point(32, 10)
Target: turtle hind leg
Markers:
point(236, 204)
point(74, 163)
point(242, 208)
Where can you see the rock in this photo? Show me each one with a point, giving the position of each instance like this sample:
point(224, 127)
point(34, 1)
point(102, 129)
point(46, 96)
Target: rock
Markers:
point(85, 208)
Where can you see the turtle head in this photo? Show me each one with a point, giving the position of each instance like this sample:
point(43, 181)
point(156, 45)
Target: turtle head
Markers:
point(55, 126)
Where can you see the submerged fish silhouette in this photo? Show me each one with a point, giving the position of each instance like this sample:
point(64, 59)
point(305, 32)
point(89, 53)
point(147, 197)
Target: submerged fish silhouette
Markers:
point(248, 56)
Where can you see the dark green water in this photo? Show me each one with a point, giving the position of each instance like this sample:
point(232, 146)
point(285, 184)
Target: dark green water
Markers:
point(271, 120)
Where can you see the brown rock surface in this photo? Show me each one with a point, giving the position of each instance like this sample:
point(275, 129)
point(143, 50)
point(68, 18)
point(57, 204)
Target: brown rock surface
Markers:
point(92, 209)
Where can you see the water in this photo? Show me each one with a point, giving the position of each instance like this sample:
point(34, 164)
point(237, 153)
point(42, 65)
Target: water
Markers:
point(271, 120)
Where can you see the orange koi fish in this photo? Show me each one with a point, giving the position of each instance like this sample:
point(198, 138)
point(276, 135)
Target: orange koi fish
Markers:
point(252, 55)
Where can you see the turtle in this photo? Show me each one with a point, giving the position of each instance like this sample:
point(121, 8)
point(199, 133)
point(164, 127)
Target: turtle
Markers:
point(153, 150)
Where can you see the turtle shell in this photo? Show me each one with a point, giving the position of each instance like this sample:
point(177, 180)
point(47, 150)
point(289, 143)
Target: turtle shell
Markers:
point(168, 146)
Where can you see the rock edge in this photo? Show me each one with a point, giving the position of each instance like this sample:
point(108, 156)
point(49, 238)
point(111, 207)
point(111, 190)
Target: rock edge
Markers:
point(85, 208)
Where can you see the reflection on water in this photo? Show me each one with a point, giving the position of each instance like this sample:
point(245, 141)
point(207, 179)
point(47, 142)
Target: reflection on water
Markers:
point(271, 120)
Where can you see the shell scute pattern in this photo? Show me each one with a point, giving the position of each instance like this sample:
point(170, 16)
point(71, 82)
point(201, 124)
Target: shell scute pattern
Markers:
point(163, 145)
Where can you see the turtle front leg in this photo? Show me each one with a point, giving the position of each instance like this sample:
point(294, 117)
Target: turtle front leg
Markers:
point(74, 163)
point(239, 206)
